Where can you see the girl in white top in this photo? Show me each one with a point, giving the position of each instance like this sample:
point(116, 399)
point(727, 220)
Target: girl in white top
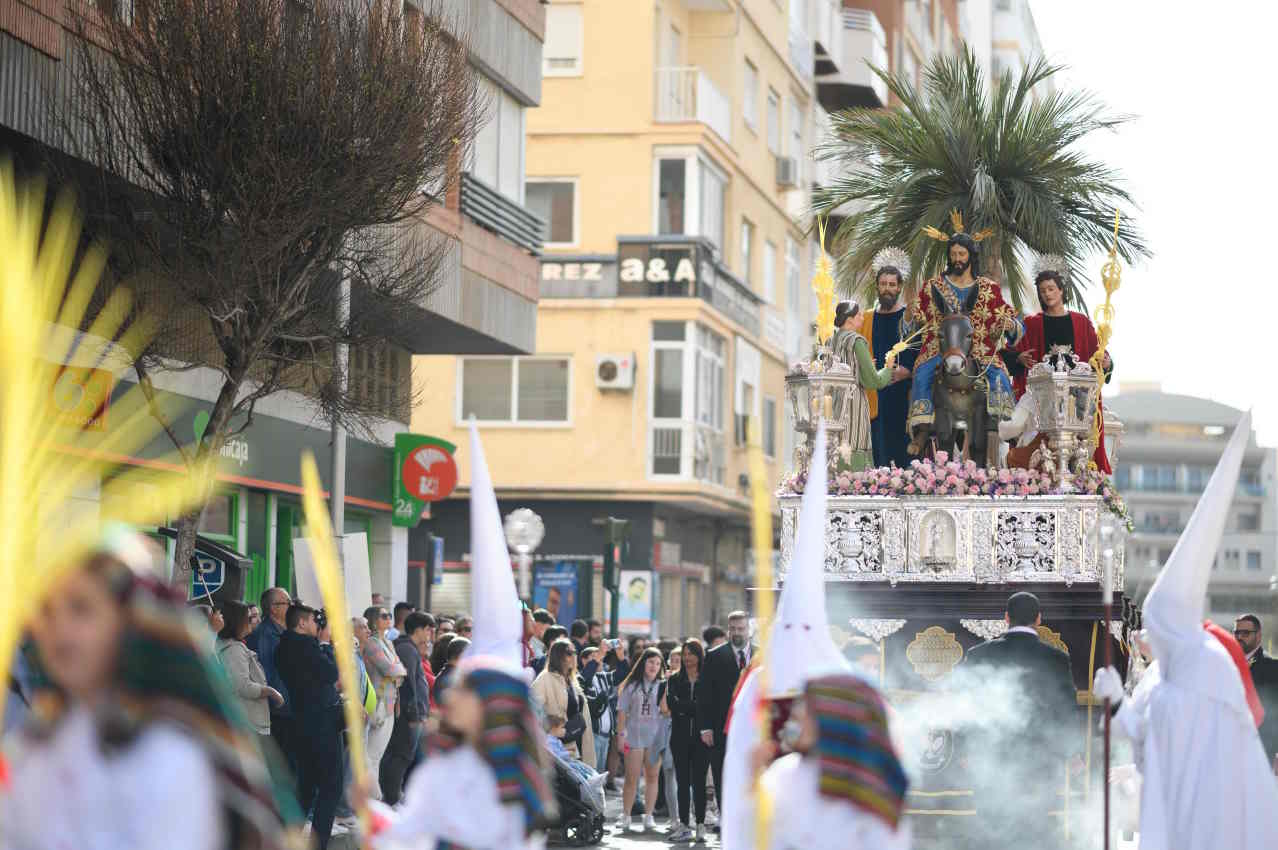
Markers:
point(639, 727)
point(135, 740)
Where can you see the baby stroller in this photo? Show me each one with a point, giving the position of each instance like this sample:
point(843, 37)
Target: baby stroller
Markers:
point(580, 797)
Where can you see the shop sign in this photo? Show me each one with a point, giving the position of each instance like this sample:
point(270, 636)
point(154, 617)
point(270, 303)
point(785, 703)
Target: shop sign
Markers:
point(571, 271)
point(80, 397)
point(424, 471)
point(657, 270)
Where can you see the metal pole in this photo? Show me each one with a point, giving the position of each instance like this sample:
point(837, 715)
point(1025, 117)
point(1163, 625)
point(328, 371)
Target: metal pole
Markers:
point(341, 356)
point(1107, 589)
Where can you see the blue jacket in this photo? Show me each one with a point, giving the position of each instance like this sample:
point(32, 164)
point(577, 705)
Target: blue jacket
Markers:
point(264, 640)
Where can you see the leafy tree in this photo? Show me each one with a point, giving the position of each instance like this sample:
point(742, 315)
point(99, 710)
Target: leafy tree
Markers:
point(1006, 158)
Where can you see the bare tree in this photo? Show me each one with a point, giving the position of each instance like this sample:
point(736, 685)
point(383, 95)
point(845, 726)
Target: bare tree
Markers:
point(253, 154)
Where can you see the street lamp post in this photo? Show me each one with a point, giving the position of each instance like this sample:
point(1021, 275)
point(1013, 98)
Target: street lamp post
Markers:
point(524, 532)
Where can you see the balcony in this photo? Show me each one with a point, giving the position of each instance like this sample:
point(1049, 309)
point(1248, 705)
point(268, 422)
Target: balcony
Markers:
point(687, 94)
point(494, 211)
point(828, 37)
point(854, 84)
point(683, 449)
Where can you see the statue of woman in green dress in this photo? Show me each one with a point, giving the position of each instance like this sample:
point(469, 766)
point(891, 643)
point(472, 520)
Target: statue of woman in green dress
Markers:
point(850, 347)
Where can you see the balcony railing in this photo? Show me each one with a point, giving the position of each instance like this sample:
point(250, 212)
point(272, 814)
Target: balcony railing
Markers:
point(687, 94)
point(685, 449)
point(854, 84)
point(494, 211)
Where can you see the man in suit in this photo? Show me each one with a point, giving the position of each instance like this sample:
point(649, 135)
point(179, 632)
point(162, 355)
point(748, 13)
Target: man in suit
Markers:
point(1264, 675)
point(1018, 760)
point(728, 655)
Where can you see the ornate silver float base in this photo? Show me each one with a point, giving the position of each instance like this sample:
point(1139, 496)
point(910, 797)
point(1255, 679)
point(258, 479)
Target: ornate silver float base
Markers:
point(1005, 539)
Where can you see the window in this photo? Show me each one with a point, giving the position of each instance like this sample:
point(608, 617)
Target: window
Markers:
point(1247, 521)
point(1196, 478)
point(516, 390)
point(769, 272)
point(1233, 559)
point(671, 182)
point(769, 426)
point(1253, 559)
point(709, 398)
point(774, 122)
point(1123, 477)
point(747, 240)
point(750, 99)
point(561, 52)
point(793, 296)
point(714, 188)
point(497, 157)
point(555, 201)
point(219, 518)
point(1249, 482)
point(1160, 477)
point(797, 150)
point(668, 350)
point(748, 374)
point(691, 195)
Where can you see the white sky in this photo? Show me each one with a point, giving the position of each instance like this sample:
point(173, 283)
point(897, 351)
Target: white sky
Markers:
point(1201, 160)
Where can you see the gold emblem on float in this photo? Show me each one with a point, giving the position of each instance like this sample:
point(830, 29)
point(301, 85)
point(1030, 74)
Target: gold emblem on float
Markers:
point(1052, 638)
point(933, 653)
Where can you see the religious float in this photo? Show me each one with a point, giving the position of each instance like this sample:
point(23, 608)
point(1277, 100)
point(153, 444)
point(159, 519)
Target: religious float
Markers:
point(921, 560)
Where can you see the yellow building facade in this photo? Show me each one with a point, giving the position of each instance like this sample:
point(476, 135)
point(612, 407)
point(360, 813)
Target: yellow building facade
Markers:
point(671, 160)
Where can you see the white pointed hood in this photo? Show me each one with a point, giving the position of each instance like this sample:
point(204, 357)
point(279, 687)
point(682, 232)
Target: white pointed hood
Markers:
point(801, 646)
point(1175, 606)
point(498, 629)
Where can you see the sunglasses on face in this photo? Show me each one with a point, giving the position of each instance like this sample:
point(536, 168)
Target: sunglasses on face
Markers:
point(1240, 633)
point(383, 616)
point(465, 630)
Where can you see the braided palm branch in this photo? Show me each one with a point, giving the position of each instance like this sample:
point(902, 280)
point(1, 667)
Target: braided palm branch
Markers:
point(1006, 159)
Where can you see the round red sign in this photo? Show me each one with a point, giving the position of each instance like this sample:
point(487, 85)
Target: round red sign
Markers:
point(430, 473)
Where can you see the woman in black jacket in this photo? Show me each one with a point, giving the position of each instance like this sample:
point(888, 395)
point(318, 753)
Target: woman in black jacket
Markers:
point(691, 757)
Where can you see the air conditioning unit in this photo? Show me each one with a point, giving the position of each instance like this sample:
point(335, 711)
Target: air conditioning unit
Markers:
point(787, 172)
point(615, 371)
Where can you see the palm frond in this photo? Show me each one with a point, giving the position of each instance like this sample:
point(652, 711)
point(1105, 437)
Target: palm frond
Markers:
point(1004, 154)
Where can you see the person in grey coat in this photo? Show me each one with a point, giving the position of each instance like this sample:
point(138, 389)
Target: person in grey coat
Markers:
point(245, 671)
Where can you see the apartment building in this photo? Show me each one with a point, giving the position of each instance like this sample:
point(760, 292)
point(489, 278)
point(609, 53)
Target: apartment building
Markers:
point(485, 303)
point(1168, 449)
point(671, 160)
point(1003, 35)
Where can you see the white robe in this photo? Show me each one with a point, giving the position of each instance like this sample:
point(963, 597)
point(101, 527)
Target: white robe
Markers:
point(802, 819)
point(1205, 781)
point(453, 797)
point(158, 793)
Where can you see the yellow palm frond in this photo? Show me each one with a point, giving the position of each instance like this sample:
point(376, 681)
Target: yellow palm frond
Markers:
point(328, 573)
point(66, 433)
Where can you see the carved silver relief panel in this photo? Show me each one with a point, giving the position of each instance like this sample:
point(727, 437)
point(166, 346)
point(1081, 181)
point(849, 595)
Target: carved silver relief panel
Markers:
point(1026, 545)
point(854, 543)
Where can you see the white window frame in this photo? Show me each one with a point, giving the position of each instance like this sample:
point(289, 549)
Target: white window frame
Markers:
point(495, 119)
point(794, 139)
point(765, 420)
point(774, 126)
point(462, 421)
point(578, 70)
point(695, 159)
point(769, 271)
point(576, 208)
point(687, 348)
point(793, 297)
point(745, 249)
point(750, 97)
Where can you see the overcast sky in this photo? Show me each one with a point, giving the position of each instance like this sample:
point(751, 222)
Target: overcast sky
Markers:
point(1202, 315)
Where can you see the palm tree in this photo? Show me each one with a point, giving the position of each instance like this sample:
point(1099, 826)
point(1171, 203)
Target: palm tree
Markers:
point(1006, 160)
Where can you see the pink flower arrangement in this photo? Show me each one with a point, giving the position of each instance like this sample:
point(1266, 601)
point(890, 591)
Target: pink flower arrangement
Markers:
point(944, 477)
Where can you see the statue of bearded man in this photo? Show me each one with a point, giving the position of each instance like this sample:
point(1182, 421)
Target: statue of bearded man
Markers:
point(994, 322)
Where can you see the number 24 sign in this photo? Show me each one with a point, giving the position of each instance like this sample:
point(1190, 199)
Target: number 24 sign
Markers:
point(425, 471)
